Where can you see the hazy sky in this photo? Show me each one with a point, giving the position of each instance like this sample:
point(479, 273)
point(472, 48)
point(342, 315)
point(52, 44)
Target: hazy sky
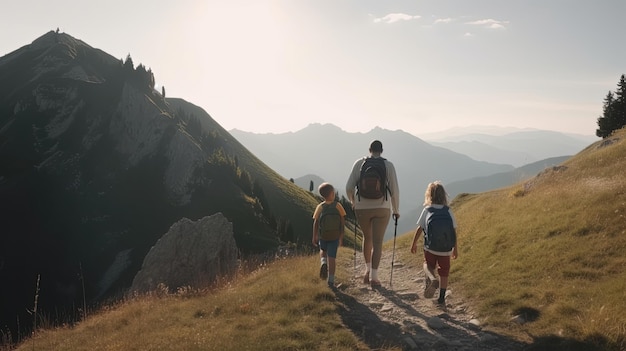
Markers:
point(419, 66)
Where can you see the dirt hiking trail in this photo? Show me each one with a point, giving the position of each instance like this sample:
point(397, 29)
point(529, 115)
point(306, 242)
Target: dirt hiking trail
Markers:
point(400, 316)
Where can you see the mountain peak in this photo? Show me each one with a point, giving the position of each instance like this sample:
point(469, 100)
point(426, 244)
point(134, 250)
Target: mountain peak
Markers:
point(323, 126)
point(52, 38)
point(49, 38)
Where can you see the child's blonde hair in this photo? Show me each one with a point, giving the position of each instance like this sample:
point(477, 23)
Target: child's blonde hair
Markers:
point(435, 194)
point(326, 189)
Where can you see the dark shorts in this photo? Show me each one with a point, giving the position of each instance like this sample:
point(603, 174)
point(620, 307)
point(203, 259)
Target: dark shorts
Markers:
point(330, 246)
point(442, 263)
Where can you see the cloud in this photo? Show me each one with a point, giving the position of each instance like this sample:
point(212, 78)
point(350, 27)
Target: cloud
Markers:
point(443, 20)
point(395, 17)
point(489, 23)
point(468, 35)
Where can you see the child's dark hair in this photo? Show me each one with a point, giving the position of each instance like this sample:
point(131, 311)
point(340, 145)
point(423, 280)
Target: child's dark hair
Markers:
point(326, 189)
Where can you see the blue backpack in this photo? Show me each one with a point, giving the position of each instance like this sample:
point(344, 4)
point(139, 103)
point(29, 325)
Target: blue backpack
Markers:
point(439, 234)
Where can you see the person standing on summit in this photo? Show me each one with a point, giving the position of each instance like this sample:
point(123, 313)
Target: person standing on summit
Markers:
point(373, 191)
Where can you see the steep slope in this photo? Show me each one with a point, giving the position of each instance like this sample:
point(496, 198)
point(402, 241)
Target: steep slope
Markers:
point(550, 250)
point(286, 200)
point(95, 166)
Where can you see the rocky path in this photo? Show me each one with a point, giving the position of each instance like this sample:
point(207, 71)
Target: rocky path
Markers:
point(398, 315)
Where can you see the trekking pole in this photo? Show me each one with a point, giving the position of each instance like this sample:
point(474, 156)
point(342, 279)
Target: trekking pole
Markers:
point(393, 255)
point(356, 227)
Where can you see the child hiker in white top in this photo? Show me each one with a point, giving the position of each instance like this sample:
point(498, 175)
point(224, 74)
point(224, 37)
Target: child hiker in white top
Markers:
point(435, 198)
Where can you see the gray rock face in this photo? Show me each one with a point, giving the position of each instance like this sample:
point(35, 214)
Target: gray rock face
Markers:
point(190, 254)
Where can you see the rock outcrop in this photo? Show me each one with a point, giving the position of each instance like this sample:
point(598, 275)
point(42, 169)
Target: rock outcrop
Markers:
point(191, 254)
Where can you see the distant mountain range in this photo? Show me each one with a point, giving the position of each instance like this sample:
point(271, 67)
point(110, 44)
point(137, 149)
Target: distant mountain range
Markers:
point(329, 152)
point(517, 147)
point(500, 180)
point(326, 153)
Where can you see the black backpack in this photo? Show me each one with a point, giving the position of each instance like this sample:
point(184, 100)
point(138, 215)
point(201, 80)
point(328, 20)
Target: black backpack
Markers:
point(440, 234)
point(372, 182)
point(330, 222)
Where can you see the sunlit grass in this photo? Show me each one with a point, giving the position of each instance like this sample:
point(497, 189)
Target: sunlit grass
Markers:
point(553, 248)
point(282, 306)
point(550, 249)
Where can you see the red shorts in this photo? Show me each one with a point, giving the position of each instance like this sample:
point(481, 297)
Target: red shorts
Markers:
point(442, 263)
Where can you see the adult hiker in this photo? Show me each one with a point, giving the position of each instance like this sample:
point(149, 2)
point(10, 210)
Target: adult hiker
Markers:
point(372, 189)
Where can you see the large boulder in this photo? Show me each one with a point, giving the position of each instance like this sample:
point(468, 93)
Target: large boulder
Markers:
point(191, 254)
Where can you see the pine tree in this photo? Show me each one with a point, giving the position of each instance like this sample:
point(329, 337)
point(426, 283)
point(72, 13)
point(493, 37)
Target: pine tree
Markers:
point(128, 64)
point(620, 103)
point(605, 122)
point(613, 111)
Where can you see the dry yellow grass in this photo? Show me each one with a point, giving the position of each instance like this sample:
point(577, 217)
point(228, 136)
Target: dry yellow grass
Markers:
point(552, 249)
point(282, 306)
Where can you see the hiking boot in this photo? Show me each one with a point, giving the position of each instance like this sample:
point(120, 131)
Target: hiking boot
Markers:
point(441, 304)
point(431, 288)
point(324, 271)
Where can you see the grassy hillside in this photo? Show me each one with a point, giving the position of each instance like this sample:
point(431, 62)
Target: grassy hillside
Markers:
point(551, 249)
point(275, 307)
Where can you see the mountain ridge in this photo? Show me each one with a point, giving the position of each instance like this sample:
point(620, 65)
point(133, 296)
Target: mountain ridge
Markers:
point(95, 166)
point(518, 148)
